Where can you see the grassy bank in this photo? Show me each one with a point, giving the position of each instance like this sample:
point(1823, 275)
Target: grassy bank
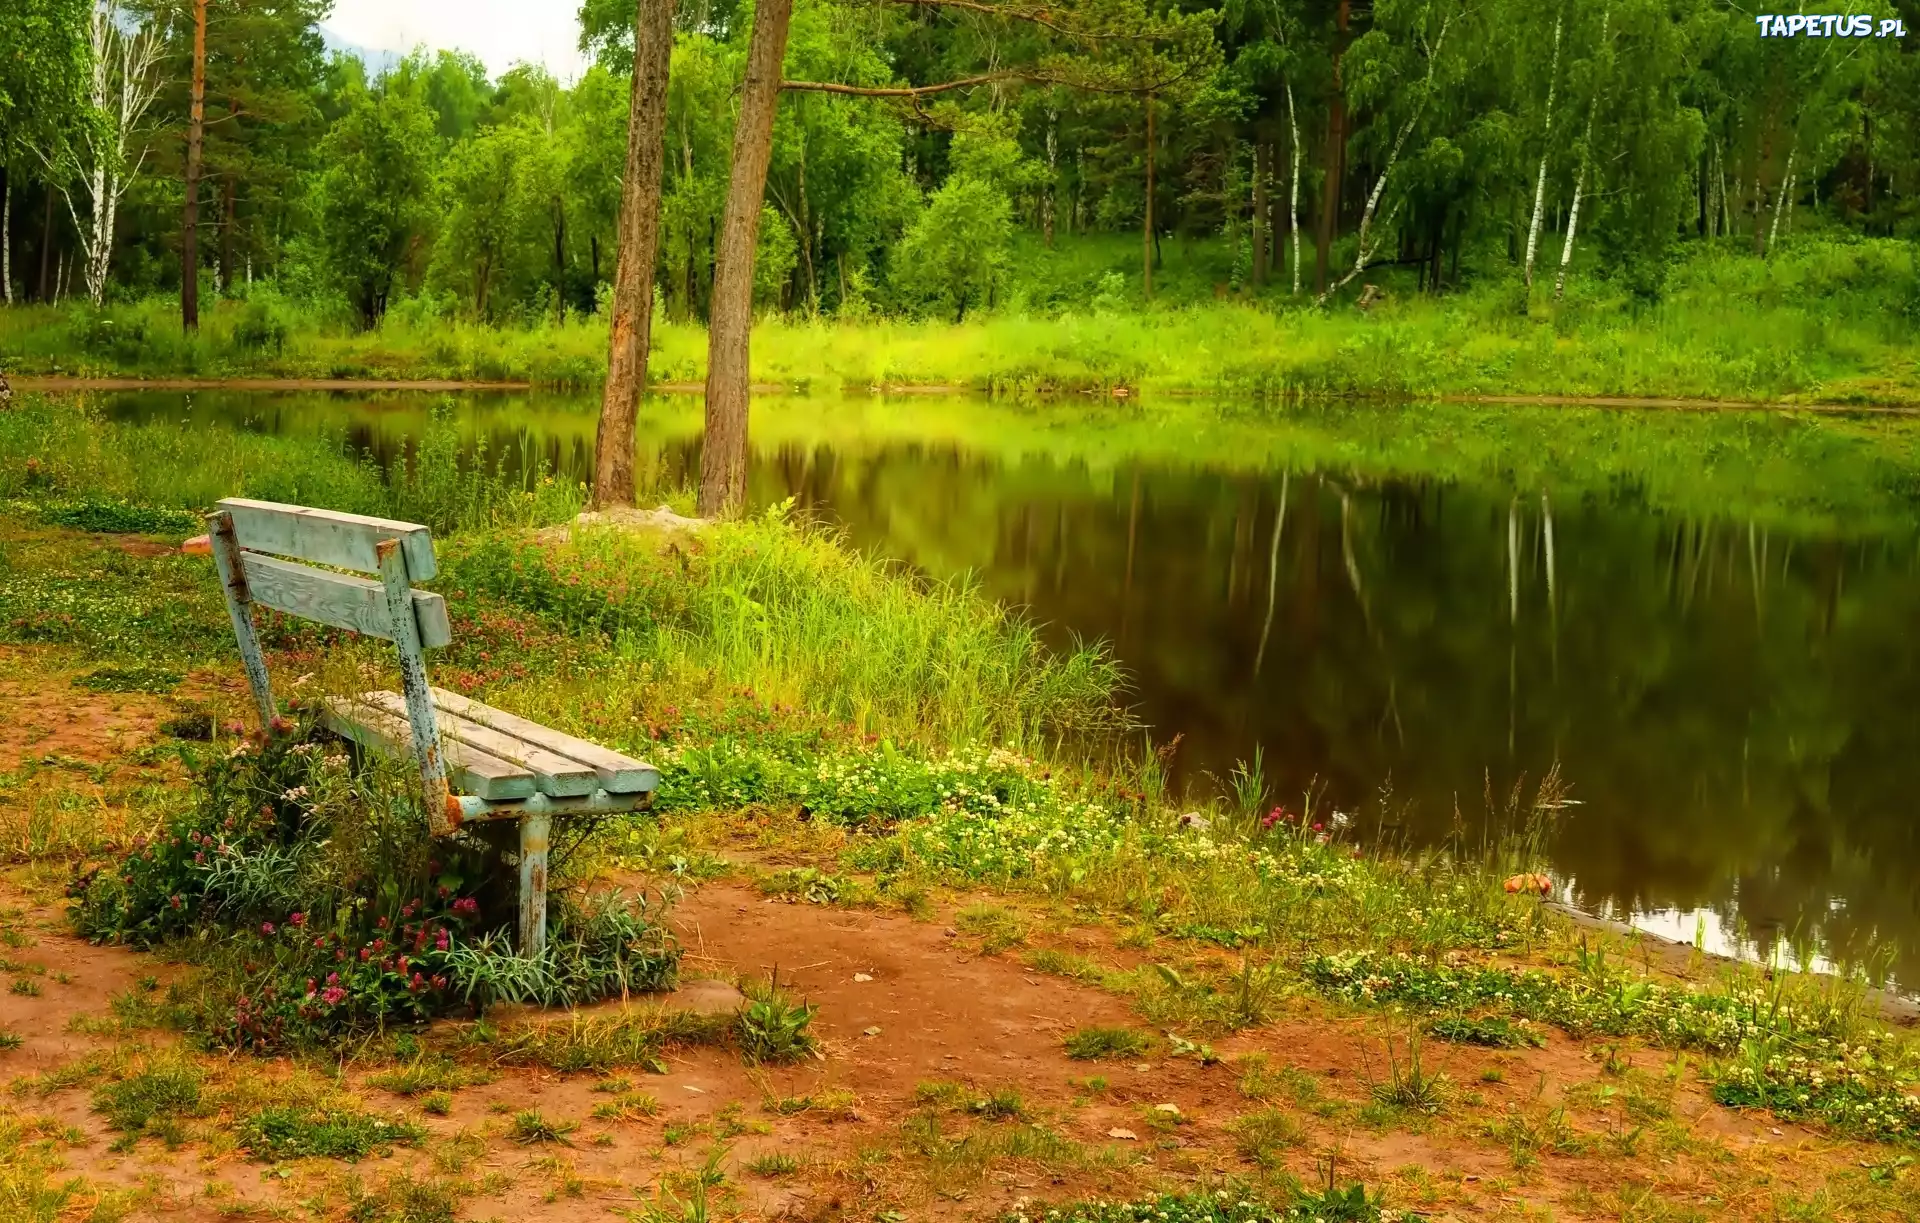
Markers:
point(1822, 321)
point(834, 734)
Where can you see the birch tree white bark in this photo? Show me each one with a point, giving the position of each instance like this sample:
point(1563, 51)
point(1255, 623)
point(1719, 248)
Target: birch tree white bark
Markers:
point(6, 236)
point(1586, 161)
point(122, 88)
point(1293, 186)
point(1546, 146)
point(1366, 248)
point(1780, 197)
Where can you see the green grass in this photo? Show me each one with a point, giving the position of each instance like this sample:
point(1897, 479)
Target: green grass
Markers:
point(532, 1126)
point(1094, 1044)
point(430, 1075)
point(1824, 317)
point(293, 1131)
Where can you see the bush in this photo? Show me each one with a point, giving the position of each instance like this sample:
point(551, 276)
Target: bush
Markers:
point(337, 910)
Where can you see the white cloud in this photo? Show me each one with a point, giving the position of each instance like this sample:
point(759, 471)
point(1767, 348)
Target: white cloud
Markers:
point(501, 32)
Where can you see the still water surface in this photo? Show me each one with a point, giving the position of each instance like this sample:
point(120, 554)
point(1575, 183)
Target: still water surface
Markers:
point(1732, 690)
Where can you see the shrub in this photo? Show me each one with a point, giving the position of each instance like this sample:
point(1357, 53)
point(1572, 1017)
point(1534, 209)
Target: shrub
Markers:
point(339, 912)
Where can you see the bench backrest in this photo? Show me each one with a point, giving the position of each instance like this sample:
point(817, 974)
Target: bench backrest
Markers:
point(267, 531)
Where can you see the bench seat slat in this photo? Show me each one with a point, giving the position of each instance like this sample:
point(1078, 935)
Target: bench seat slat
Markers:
point(328, 537)
point(469, 770)
point(553, 774)
point(340, 599)
point(619, 774)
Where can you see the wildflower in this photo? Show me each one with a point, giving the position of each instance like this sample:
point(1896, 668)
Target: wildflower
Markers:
point(333, 995)
point(466, 906)
point(266, 928)
point(297, 919)
point(440, 940)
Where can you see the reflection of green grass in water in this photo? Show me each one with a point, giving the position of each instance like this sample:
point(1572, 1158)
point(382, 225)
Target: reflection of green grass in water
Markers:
point(1776, 469)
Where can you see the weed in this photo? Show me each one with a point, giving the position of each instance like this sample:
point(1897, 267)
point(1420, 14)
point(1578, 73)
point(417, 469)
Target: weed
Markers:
point(1002, 1104)
point(627, 1106)
point(1094, 1044)
point(10, 1040)
point(530, 1126)
point(772, 1028)
point(430, 1075)
point(773, 1165)
point(157, 1095)
point(25, 986)
point(1409, 1085)
point(999, 928)
point(1494, 1033)
point(439, 1103)
point(1262, 1136)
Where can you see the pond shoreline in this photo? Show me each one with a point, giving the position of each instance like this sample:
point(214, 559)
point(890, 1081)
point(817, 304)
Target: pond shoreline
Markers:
point(59, 383)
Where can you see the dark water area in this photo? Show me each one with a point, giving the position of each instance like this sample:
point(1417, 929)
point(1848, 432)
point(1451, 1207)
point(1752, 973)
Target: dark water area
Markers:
point(1732, 695)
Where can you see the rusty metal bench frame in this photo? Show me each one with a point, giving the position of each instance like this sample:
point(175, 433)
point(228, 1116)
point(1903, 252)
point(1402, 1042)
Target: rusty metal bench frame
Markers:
point(475, 762)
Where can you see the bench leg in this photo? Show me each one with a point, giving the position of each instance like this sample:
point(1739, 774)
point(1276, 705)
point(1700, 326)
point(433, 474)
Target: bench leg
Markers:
point(233, 580)
point(413, 684)
point(534, 831)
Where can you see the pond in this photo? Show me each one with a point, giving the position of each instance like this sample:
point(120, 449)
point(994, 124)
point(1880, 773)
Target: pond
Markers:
point(1707, 621)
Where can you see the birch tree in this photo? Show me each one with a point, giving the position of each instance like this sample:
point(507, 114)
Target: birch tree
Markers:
point(1377, 75)
point(1586, 159)
point(1546, 147)
point(123, 84)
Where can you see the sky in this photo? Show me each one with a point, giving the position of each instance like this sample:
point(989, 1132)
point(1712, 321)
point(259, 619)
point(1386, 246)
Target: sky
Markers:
point(501, 32)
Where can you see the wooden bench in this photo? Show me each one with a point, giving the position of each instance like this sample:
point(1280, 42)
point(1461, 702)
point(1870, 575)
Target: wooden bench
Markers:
point(475, 762)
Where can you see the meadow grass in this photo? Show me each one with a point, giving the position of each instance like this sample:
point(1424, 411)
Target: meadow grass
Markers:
point(1825, 318)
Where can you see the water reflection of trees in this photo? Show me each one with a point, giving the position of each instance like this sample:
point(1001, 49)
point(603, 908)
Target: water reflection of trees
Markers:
point(1735, 708)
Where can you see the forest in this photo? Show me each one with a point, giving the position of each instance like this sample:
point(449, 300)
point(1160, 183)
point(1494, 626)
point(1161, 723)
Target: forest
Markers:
point(949, 160)
point(923, 150)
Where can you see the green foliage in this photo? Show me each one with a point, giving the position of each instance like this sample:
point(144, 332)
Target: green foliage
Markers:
point(294, 1131)
point(954, 257)
point(373, 196)
point(772, 1029)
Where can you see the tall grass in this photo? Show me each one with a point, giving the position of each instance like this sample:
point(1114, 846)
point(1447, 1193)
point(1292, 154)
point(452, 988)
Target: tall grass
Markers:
point(798, 619)
point(1822, 318)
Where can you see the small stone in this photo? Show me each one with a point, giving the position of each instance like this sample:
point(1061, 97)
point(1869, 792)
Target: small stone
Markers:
point(861, 976)
point(1143, 1067)
point(1171, 1110)
point(872, 1031)
point(1776, 1131)
point(1123, 1135)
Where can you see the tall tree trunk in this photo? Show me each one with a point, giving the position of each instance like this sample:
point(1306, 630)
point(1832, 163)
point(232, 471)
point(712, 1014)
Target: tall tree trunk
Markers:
point(1260, 158)
point(1053, 175)
point(1586, 161)
point(1336, 158)
point(226, 235)
point(1546, 146)
point(46, 253)
point(1146, 225)
point(190, 222)
point(1780, 196)
point(1293, 188)
point(723, 459)
point(6, 235)
point(631, 330)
